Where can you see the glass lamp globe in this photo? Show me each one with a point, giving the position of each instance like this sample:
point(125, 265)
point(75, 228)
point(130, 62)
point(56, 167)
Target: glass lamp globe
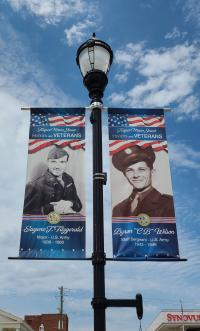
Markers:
point(94, 54)
point(94, 58)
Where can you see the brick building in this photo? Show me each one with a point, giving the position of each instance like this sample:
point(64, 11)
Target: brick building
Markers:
point(49, 322)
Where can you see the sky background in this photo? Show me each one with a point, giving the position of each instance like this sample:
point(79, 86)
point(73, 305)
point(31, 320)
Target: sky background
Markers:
point(156, 49)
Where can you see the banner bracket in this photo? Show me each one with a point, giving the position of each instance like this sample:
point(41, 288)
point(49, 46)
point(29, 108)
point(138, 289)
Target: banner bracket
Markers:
point(106, 259)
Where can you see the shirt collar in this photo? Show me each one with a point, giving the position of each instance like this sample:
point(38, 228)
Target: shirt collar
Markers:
point(142, 194)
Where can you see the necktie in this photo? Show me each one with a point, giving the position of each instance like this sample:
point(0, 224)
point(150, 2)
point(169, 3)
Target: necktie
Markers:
point(61, 181)
point(134, 203)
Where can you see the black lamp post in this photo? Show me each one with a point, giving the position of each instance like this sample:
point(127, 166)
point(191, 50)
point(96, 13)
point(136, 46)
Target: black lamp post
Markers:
point(94, 58)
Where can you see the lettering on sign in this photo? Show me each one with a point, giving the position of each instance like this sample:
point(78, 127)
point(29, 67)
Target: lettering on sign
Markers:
point(183, 318)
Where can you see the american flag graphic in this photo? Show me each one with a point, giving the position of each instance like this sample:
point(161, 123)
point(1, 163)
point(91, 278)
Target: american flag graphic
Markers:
point(154, 121)
point(40, 119)
point(67, 120)
point(36, 145)
point(43, 120)
point(120, 120)
point(116, 146)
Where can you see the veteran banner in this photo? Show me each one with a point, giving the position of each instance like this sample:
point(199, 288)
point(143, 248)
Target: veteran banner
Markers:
point(53, 224)
point(143, 217)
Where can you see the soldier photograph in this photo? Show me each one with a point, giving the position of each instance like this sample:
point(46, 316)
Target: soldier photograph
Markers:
point(54, 190)
point(136, 164)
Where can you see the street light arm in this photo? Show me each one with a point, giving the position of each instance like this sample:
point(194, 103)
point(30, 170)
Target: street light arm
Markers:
point(137, 303)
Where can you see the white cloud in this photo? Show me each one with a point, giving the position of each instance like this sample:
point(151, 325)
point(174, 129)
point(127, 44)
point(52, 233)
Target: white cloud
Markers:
point(130, 55)
point(191, 10)
point(184, 156)
point(175, 34)
point(117, 98)
point(77, 32)
point(22, 76)
point(121, 78)
point(189, 106)
point(150, 308)
point(23, 83)
point(146, 5)
point(168, 76)
point(156, 62)
point(51, 11)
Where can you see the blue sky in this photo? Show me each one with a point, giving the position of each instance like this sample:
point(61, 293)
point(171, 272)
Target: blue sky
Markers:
point(157, 64)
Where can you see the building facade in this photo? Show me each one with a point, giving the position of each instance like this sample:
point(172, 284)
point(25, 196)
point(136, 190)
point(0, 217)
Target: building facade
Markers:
point(47, 322)
point(176, 320)
point(9, 322)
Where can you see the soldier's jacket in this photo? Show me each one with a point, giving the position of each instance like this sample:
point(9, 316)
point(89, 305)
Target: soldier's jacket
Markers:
point(154, 204)
point(45, 189)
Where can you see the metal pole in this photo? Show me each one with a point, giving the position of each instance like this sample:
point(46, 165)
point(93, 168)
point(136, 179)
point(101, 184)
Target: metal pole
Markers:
point(61, 307)
point(98, 257)
point(95, 81)
point(183, 328)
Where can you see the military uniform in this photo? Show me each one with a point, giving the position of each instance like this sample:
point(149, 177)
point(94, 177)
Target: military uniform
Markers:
point(51, 188)
point(154, 204)
point(46, 189)
point(149, 200)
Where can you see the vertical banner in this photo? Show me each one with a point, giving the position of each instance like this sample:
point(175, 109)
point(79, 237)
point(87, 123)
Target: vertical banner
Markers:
point(53, 224)
point(143, 217)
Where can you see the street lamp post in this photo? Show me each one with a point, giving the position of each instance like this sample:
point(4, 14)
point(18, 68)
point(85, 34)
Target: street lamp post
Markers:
point(94, 58)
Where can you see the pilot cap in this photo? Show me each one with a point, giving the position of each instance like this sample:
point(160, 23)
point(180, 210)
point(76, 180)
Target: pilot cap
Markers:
point(131, 155)
point(56, 153)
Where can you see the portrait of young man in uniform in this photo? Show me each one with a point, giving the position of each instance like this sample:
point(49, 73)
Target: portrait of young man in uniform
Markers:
point(136, 164)
point(54, 190)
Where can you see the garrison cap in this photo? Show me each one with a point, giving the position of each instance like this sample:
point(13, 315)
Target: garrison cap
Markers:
point(131, 155)
point(56, 153)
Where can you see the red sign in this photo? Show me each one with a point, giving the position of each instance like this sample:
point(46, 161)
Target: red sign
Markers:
point(183, 317)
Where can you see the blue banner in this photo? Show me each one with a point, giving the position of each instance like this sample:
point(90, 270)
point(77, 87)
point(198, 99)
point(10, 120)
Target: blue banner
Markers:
point(143, 216)
point(53, 224)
